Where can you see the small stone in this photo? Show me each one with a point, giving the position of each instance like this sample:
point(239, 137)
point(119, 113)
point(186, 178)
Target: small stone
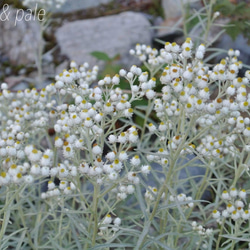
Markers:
point(8, 71)
point(22, 71)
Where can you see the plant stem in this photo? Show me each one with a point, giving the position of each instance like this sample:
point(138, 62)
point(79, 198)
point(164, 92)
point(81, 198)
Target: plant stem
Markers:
point(21, 214)
point(209, 19)
point(184, 14)
point(220, 233)
point(159, 195)
point(6, 216)
point(94, 213)
point(148, 112)
point(93, 221)
point(39, 54)
point(164, 187)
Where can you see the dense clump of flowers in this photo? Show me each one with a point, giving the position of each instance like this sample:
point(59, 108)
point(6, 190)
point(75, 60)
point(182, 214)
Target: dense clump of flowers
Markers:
point(236, 208)
point(69, 133)
point(79, 128)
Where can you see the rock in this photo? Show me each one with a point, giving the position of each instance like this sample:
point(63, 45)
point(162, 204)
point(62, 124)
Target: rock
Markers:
point(48, 71)
point(61, 67)
point(169, 27)
point(173, 9)
point(173, 16)
point(33, 79)
point(48, 58)
point(19, 42)
point(21, 86)
point(14, 81)
point(22, 71)
point(71, 6)
point(8, 70)
point(115, 34)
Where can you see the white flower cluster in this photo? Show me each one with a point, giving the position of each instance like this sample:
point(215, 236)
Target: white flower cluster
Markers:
point(106, 225)
point(80, 129)
point(61, 130)
point(186, 201)
point(44, 3)
point(236, 206)
point(151, 193)
point(188, 84)
point(205, 232)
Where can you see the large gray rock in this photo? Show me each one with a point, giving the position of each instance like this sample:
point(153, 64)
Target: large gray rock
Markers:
point(19, 42)
point(113, 35)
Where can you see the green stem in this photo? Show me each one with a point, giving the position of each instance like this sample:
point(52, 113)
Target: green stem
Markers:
point(10, 197)
point(22, 217)
point(184, 15)
point(107, 191)
point(157, 202)
point(220, 233)
point(6, 216)
point(37, 238)
point(179, 227)
point(148, 112)
point(164, 187)
point(209, 19)
point(39, 54)
point(60, 224)
point(94, 213)
point(93, 221)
